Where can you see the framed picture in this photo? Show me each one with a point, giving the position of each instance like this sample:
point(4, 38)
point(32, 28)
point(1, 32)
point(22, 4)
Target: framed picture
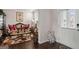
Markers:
point(19, 16)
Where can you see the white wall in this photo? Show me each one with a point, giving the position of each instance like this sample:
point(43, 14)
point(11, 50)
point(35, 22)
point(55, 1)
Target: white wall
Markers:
point(44, 24)
point(65, 36)
point(11, 16)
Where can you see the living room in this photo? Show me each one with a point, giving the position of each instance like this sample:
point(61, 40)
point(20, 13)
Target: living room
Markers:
point(39, 28)
point(18, 26)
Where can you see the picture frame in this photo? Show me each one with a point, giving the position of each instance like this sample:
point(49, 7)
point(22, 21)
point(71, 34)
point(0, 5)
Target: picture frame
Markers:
point(19, 16)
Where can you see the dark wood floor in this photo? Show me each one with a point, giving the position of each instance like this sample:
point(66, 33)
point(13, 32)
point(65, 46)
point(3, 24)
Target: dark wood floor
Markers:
point(55, 45)
point(32, 45)
point(45, 45)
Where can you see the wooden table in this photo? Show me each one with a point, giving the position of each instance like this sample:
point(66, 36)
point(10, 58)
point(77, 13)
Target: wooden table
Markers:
point(19, 35)
point(23, 45)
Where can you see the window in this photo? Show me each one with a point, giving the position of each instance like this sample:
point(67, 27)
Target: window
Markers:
point(63, 17)
point(68, 18)
point(1, 21)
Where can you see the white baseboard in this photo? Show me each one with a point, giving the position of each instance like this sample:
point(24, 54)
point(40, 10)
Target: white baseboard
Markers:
point(40, 42)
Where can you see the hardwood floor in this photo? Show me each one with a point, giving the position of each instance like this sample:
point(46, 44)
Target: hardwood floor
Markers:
point(46, 45)
point(55, 45)
point(32, 45)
